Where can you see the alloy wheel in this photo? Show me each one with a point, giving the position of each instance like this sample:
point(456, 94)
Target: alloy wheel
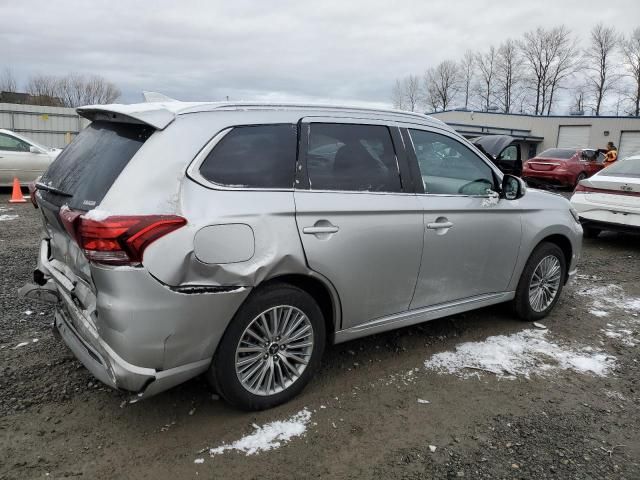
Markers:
point(545, 283)
point(274, 350)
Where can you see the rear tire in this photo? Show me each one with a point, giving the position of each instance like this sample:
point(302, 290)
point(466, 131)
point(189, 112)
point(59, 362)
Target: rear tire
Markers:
point(579, 178)
point(277, 350)
point(590, 232)
point(541, 282)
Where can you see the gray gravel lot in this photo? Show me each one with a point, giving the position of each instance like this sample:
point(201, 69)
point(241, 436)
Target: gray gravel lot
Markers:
point(365, 419)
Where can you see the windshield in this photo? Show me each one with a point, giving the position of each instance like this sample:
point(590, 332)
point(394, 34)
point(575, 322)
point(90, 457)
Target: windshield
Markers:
point(559, 153)
point(623, 168)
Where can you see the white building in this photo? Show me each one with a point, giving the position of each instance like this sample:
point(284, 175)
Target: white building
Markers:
point(50, 126)
point(537, 133)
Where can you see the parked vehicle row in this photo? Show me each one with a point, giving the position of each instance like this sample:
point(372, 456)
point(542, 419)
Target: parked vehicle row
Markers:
point(23, 158)
point(610, 199)
point(236, 240)
point(564, 167)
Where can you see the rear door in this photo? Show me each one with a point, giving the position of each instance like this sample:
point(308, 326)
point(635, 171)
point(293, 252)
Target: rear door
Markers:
point(360, 223)
point(471, 239)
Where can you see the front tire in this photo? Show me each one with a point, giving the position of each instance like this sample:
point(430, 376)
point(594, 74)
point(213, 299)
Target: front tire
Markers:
point(541, 282)
point(271, 349)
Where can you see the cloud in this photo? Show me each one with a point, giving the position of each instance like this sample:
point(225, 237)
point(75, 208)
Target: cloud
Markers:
point(281, 50)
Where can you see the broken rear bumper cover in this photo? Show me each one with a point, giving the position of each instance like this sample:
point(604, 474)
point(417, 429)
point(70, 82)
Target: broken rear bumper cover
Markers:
point(134, 334)
point(114, 371)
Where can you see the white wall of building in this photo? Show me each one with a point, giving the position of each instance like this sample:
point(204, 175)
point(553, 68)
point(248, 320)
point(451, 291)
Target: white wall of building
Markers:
point(600, 129)
point(50, 126)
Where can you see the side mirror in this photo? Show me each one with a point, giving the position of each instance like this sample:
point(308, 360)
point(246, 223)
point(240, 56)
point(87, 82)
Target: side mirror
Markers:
point(33, 149)
point(513, 187)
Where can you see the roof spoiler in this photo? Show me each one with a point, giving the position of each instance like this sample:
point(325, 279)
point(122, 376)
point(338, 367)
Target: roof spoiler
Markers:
point(152, 114)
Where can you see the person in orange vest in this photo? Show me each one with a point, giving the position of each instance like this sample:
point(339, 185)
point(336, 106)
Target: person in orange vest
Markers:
point(610, 154)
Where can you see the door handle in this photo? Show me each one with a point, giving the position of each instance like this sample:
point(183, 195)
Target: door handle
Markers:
point(439, 225)
point(321, 229)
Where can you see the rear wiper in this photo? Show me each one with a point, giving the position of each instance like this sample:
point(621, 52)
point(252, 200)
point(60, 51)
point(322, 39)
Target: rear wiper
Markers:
point(48, 188)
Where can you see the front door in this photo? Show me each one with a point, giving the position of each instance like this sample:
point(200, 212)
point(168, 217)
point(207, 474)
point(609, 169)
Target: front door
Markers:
point(360, 225)
point(471, 238)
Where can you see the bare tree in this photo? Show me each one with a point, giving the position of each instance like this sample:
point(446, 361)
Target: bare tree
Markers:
point(507, 74)
point(631, 54)
point(486, 63)
point(44, 90)
point(412, 93)
point(442, 84)
point(467, 70)
point(600, 62)
point(75, 90)
point(550, 57)
point(398, 96)
point(72, 90)
point(565, 61)
point(7, 81)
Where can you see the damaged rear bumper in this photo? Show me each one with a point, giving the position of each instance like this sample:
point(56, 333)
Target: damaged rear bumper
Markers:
point(114, 371)
point(136, 335)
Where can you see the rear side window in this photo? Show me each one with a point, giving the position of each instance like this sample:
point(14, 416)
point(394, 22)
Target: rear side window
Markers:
point(87, 167)
point(352, 158)
point(12, 144)
point(260, 156)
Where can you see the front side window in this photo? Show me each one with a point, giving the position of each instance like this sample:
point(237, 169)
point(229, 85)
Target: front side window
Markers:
point(448, 167)
point(352, 157)
point(12, 144)
point(260, 156)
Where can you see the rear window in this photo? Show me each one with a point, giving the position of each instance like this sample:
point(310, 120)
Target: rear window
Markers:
point(561, 153)
point(87, 167)
point(259, 156)
point(623, 168)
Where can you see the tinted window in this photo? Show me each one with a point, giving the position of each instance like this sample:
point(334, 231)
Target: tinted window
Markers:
point(449, 167)
point(88, 166)
point(560, 153)
point(261, 156)
point(12, 144)
point(623, 168)
point(352, 158)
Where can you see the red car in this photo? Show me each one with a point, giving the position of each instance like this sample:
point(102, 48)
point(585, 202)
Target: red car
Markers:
point(562, 166)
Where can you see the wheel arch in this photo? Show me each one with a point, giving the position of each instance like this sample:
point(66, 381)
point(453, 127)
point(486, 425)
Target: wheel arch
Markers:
point(564, 244)
point(321, 291)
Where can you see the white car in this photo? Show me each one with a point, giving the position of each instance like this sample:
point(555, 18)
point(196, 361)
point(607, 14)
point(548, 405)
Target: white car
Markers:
point(23, 158)
point(610, 199)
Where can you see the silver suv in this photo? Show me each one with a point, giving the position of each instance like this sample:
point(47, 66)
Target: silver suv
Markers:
point(236, 240)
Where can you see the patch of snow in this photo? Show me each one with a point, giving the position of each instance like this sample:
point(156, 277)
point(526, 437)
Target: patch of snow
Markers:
point(97, 215)
point(199, 460)
point(599, 313)
point(624, 335)
point(269, 436)
point(21, 344)
point(521, 354)
point(28, 312)
point(423, 401)
point(7, 217)
point(432, 448)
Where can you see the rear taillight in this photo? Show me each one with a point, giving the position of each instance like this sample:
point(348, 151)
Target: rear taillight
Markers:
point(118, 240)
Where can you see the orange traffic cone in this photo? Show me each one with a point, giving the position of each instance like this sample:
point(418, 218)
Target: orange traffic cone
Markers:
point(16, 195)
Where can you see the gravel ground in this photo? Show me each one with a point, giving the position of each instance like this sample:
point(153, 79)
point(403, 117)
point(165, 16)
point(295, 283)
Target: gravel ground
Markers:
point(365, 420)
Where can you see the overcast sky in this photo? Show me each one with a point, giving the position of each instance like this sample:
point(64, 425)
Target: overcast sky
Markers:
point(340, 51)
